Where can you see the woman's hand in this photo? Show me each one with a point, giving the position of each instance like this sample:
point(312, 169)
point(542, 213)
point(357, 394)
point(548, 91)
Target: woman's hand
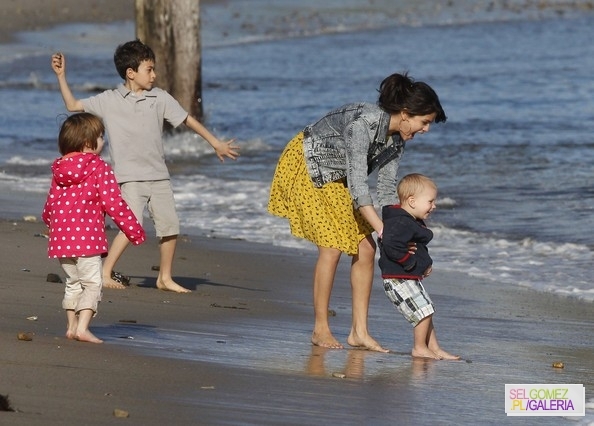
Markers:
point(412, 247)
point(428, 272)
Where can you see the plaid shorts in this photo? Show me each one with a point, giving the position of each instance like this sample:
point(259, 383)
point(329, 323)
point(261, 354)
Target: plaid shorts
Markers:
point(410, 298)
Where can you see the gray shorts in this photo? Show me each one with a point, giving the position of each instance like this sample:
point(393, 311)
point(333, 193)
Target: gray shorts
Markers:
point(157, 196)
point(410, 298)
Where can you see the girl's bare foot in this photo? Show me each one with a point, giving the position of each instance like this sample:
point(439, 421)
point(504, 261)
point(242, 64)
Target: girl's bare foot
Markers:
point(171, 285)
point(365, 342)
point(70, 335)
point(325, 340)
point(108, 282)
point(87, 336)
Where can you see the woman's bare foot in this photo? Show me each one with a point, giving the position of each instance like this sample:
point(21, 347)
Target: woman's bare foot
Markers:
point(108, 282)
point(365, 342)
point(325, 340)
point(171, 285)
point(87, 336)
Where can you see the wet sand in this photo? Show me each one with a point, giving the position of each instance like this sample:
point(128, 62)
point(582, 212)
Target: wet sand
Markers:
point(236, 350)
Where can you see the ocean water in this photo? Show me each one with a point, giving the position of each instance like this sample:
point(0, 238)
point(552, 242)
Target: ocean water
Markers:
point(513, 163)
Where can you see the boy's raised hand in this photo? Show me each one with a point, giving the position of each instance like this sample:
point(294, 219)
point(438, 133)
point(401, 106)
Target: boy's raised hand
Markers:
point(59, 63)
point(227, 149)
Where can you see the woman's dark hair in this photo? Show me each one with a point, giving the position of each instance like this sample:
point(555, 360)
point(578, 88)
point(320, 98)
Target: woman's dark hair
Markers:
point(80, 131)
point(131, 55)
point(398, 92)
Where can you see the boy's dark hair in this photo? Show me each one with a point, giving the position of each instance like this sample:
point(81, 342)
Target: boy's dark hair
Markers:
point(130, 55)
point(80, 131)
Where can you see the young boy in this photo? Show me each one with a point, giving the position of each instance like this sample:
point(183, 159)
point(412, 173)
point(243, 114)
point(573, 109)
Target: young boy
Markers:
point(403, 270)
point(134, 115)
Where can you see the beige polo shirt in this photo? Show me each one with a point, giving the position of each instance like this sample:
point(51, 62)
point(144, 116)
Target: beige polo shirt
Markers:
point(134, 127)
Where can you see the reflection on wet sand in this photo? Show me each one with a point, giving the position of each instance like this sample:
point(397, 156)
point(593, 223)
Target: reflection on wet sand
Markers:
point(354, 364)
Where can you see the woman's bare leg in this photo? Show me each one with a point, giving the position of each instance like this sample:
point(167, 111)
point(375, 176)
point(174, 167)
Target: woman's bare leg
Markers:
point(323, 281)
point(361, 283)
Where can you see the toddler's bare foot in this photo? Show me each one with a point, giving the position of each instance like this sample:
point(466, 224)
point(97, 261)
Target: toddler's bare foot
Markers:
point(446, 355)
point(108, 282)
point(70, 335)
point(365, 342)
point(424, 353)
point(325, 340)
point(171, 285)
point(87, 336)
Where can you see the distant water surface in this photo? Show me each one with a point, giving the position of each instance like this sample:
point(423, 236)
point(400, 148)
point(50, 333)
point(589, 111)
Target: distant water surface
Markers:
point(513, 163)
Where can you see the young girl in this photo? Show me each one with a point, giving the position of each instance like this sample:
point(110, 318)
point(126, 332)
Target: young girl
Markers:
point(83, 189)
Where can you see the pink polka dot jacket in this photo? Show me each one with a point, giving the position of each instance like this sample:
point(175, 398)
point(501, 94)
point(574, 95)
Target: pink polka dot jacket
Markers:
point(82, 191)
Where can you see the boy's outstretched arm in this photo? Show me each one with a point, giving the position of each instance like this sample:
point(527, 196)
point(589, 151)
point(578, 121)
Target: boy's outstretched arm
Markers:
point(59, 66)
point(222, 149)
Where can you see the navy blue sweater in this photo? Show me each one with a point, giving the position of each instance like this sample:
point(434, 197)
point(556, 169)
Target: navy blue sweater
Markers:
point(400, 228)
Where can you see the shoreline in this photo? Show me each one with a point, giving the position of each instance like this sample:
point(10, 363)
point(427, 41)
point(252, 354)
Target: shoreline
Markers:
point(32, 15)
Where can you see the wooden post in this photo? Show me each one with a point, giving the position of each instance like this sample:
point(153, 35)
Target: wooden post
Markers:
point(172, 29)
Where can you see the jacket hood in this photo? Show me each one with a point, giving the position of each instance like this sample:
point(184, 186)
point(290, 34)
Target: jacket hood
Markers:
point(73, 170)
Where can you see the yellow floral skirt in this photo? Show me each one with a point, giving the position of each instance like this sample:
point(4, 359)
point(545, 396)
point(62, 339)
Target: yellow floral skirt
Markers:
point(325, 216)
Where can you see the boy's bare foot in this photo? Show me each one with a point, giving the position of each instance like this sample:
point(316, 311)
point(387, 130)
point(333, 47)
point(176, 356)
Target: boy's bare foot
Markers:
point(325, 340)
point(87, 336)
point(424, 353)
point(171, 285)
point(108, 282)
point(70, 335)
point(446, 355)
point(365, 342)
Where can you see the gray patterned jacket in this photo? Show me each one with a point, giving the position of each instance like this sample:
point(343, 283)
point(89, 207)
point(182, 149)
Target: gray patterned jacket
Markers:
point(350, 142)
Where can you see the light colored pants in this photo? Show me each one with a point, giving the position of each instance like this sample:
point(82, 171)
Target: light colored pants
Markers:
point(83, 283)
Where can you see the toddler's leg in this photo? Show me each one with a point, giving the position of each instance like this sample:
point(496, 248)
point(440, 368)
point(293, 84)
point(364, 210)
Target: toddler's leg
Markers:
point(435, 348)
point(90, 277)
point(82, 333)
point(72, 323)
point(421, 334)
point(72, 293)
